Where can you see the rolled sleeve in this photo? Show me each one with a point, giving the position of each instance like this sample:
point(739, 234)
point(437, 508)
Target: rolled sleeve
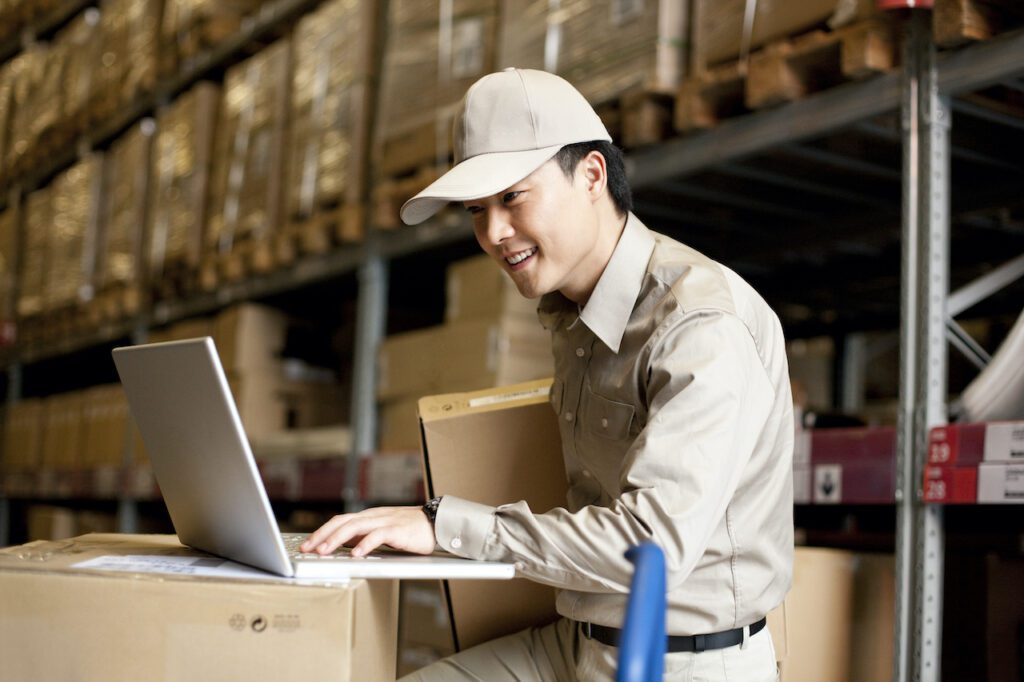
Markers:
point(463, 527)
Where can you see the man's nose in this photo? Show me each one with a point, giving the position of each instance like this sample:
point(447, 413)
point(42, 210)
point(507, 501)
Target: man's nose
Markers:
point(499, 228)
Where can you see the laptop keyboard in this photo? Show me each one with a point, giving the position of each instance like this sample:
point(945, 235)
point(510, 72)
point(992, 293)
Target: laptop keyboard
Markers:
point(293, 540)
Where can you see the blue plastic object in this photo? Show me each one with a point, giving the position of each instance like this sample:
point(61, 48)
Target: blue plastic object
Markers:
point(642, 648)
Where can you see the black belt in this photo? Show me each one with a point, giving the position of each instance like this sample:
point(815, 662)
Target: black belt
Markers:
point(677, 643)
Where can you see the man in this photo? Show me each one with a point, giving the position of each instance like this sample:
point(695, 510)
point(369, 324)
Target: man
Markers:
point(672, 387)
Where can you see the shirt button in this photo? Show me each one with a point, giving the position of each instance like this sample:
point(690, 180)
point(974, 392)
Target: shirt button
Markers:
point(456, 542)
point(568, 416)
point(580, 352)
point(604, 423)
point(520, 566)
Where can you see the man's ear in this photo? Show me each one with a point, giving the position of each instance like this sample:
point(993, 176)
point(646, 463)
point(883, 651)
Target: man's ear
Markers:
point(595, 174)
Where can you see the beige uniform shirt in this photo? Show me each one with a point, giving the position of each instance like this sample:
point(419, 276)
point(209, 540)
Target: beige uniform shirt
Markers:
point(672, 388)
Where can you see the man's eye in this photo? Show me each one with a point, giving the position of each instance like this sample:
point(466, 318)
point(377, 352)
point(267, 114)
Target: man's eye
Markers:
point(510, 196)
point(473, 210)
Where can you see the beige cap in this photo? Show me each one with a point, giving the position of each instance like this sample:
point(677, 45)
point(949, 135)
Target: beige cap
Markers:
point(508, 125)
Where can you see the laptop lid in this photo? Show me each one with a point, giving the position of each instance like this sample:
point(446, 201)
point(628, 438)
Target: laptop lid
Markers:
point(181, 401)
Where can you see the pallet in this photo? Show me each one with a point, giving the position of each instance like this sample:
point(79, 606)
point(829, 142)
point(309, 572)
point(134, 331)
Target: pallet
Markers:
point(785, 71)
point(956, 22)
point(389, 195)
point(639, 117)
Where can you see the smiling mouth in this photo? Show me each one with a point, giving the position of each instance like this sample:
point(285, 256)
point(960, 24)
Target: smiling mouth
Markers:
point(518, 258)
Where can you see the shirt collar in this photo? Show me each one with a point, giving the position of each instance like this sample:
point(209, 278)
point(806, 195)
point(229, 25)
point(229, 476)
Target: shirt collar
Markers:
point(611, 303)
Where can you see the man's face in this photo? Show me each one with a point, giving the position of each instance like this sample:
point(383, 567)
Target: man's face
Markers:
point(539, 230)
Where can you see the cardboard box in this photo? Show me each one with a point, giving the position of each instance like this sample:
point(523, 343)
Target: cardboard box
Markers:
point(967, 444)
point(250, 337)
point(268, 402)
point(423, 616)
point(186, 329)
point(50, 523)
point(462, 356)
point(603, 47)
point(478, 287)
point(1001, 483)
point(495, 447)
point(399, 425)
point(62, 435)
point(160, 626)
point(23, 435)
point(718, 24)
point(394, 478)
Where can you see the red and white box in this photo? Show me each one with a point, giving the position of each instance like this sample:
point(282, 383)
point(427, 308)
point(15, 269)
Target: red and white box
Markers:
point(969, 444)
point(950, 485)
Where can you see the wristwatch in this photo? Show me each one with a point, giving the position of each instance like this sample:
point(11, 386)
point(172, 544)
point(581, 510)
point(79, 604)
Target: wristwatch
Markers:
point(430, 509)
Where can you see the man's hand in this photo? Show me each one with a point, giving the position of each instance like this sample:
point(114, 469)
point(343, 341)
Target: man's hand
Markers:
point(404, 528)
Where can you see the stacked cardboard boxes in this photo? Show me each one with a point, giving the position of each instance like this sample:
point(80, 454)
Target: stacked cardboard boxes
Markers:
point(131, 31)
point(106, 423)
point(245, 191)
point(330, 111)
point(81, 46)
point(270, 396)
point(491, 337)
point(180, 176)
point(435, 50)
point(62, 432)
point(976, 463)
point(605, 47)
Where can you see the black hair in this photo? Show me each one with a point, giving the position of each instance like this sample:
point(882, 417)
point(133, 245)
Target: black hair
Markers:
point(570, 155)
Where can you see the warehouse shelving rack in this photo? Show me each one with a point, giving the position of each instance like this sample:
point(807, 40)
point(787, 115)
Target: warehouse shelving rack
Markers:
point(920, 93)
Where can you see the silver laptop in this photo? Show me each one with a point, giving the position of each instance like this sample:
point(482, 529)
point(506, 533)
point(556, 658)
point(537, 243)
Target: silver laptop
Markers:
point(180, 398)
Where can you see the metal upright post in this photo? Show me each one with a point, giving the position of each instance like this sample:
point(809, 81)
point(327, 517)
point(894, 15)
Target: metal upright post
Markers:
point(14, 369)
point(371, 313)
point(923, 355)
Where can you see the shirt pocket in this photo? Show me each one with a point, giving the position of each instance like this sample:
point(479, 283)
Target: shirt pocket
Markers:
point(608, 418)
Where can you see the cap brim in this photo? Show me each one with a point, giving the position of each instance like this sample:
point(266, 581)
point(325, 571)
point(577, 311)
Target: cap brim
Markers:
point(475, 178)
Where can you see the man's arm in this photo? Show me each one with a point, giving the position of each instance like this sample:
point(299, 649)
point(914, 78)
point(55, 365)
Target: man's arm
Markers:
point(709, 398)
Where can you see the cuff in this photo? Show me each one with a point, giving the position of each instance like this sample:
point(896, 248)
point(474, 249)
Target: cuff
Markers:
point(463, 527)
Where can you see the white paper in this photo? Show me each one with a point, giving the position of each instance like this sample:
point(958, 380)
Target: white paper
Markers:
point(1004, 442)
point(206, 567)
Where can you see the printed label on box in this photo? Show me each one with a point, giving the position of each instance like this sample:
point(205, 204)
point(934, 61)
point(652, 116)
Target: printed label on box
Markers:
point(1001, 483)
point(828, 484)
point(509, 397)
point(1004, 442)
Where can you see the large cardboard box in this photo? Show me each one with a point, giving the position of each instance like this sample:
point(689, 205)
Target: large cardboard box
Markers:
point(139, 625)
point(478, 287)
point(399, 425)
point(250, 336)
point(464, 356)
point(268, 402)
point(23, 435)
point(495, 447)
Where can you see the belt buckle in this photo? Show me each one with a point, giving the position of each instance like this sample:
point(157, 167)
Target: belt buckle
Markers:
point(699, 644)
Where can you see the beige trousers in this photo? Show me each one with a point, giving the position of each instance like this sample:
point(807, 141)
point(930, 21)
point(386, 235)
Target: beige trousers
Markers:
point(560, 653)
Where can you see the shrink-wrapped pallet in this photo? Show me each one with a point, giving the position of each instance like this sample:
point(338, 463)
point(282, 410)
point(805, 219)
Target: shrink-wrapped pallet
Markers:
point(31, 68)
point(123, 208)
point(180, 178)
point(245, 191)
point(80, 46)
point(8, 263)
point(604, 47)
point(330, 112)
point(189, 26)
point(72, 242)
point(38, 221)
point(434, 52)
